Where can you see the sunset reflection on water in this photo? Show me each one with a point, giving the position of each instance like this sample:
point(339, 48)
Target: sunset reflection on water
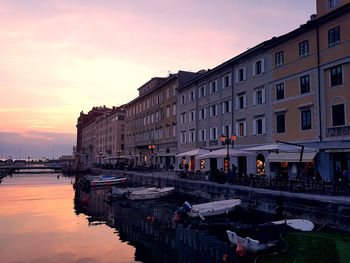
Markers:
point(38, 224)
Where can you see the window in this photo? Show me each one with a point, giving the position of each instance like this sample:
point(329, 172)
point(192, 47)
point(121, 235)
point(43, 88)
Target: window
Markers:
point(241, 129)
point(259, 67)
point(226, 106)
point(213, 110)
point(332, 3)
point(202, 135)
point(304, 84)
point(259, 97)
point(202, 114)
point(183, 137)
point(183, 118)
point(304, 48)
point(281, 123)
point(213, 87)
point(226, 81)
point(279, 58)
point(191, 95)
point(202, 91)
point(167, 131)
point(259, 126)
point(336, 76)
point(174, 131)
point(280, 91)
point(338, 115)
point(241, 102)
point(306, 119)
point(214, 133)
point(183, 99)
point(174, 109)
point(333, 36)
point(192, 136)
point(167, 112)
point(192, 116)
point(241, 74)
point(167, 94)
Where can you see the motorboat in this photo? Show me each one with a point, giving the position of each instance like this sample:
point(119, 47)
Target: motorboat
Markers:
point(250, 244)
point(107, 179)
point(119, 193)
point(150, 193)
point(266, 236)
point(209, 209)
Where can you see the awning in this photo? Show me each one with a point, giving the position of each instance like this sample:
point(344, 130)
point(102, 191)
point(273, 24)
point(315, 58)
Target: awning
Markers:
point(194, 152)
point(290, 157)
point(280, 147)
point(222, 153)
point(165, 154)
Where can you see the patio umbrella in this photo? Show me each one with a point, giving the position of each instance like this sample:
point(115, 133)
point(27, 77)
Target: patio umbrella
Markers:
point(279, 147)
point(222, 153)
point(194, 152)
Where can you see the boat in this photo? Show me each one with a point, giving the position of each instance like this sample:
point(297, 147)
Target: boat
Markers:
point(119, 193)
point(298, 224)
point(250, 244)
point(150, 193)
point(107, 180)
point(266, 236)
point(211, 208)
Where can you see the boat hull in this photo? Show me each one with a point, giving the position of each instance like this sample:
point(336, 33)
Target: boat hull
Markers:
point(104, 182)
point(214, 208)
point(150, 193)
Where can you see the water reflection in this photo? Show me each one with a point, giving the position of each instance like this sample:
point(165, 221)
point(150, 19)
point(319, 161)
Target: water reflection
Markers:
point(149, 227)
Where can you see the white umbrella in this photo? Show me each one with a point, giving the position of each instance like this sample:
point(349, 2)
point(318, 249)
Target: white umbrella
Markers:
point(194, 152)
point(222, 153)
point(279, 147)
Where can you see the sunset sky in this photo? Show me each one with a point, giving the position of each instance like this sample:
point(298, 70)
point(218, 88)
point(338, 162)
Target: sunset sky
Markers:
point(60, 57)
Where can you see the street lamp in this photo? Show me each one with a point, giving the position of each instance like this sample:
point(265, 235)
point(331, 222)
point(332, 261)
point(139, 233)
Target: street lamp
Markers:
point(228, 141)
point(151, 148)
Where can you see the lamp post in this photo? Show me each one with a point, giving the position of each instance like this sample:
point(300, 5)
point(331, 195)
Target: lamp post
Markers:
point(228, 141)
point(151, 147)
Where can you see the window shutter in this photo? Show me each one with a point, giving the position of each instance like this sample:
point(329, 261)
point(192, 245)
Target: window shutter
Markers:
point(236, 80)
point(244, 129)
point(205, 113)
point(237, 130)
point(245, 101)
point(254, 98)
point(223, 108)
point(254, 69)
point(263, 96)
point(263, 65)
point(216, 109)
point(263, 126)
point(211, 111)
point(205, 135)
point(254, 127)
point(237, 103)
point(230, 106)
point(244, 73)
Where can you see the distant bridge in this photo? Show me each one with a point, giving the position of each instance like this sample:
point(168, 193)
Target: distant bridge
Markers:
point(32, 168)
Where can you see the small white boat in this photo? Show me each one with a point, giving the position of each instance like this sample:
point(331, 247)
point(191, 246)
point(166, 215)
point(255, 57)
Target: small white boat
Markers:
point(118, 192)
point(107, 180)
point(212, 208)
point(150, 193)
point(298, 224)
point(248, 243)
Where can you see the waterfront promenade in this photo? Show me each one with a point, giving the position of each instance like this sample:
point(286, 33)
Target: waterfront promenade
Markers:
point(323, 209)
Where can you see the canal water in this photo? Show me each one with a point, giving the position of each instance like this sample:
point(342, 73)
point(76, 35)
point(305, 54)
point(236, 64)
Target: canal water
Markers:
point(43, 219)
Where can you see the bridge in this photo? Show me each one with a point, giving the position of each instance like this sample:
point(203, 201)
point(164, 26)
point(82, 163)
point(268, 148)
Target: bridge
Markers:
point(32, 168)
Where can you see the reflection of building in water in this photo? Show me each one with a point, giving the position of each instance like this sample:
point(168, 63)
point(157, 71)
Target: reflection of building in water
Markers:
point(149, 227)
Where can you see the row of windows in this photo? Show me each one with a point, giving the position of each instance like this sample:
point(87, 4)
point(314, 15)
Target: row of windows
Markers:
point(333, 39)
point(156, 134)
point(241, 131)
point(305, 121)
point(150, 102)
